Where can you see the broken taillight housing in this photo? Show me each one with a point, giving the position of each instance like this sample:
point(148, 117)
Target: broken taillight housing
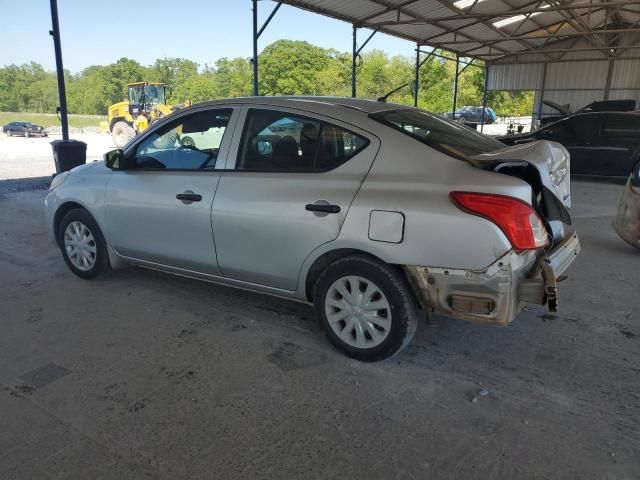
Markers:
point(520, 223)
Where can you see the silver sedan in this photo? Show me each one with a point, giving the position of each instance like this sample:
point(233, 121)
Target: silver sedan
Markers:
point(371, 211)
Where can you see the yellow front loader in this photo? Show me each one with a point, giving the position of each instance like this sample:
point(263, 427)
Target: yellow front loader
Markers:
point(148, 98)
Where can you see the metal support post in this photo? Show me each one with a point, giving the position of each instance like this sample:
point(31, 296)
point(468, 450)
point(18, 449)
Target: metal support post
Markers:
point(353, 61)
point(62, 95)
point(255, 47)
point(455, 88)
point(484, 96)
point(354, 55)
point(256, 36)
point(416, 87)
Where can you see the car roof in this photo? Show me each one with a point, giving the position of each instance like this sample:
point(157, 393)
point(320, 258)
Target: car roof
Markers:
point(312, 103)
point(601, 114)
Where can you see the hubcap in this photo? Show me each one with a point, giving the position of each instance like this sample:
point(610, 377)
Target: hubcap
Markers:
point(80, 246)
point(358, 312)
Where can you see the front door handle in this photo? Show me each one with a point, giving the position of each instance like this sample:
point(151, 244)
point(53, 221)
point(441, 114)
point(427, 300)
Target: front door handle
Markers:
point(188, 196)
point(324, 208)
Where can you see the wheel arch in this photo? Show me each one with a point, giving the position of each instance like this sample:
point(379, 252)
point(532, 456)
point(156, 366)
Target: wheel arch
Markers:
point(61, 212)
point(324, 260)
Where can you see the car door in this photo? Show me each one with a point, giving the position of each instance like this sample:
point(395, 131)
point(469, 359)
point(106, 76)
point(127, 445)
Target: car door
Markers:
point(477, 114)
point(579, 135)
point(620, 140)
point(288, 192)
point(158, 209)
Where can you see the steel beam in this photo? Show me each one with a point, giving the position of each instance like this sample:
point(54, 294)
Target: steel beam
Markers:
point(353, 61)
point(417, 77)
point(255, 47)
point(256, 36)
point(547, 35)
point(455, 88)
point(62, 94)
point(355, 51)
point(484, 96)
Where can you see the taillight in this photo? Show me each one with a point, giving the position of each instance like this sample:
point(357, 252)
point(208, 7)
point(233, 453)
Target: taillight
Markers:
point(517, 220)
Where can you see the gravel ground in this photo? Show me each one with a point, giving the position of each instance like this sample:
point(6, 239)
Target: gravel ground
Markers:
point(142, 375)
point(22, 157)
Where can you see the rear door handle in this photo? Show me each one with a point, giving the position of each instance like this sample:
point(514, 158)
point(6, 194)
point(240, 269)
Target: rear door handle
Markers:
point(319, 207)
point(188, 196)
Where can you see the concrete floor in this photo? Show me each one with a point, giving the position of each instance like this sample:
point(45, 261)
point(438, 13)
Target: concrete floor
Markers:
point(141, 375)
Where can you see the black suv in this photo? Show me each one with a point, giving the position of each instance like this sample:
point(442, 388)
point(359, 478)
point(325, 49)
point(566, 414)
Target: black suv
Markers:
point(600, 143)
point(24, 129)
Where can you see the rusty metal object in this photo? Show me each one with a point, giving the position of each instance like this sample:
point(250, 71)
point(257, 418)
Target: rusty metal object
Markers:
point(495, 295)
point(627, 221)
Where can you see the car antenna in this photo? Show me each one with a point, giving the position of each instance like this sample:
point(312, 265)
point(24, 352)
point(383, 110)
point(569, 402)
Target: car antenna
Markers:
point(384, 97)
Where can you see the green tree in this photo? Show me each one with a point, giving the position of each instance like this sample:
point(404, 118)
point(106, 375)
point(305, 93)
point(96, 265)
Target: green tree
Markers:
point(232, 77)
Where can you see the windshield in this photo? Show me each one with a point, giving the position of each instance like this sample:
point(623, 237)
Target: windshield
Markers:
point(152, 94)
point(438, 132)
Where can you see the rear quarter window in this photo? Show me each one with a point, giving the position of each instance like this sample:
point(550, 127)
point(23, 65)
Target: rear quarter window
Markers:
point(438, 132)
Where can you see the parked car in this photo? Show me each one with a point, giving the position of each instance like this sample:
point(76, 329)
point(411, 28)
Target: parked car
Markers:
point(628, 105)
point(24, 129)
point(365, 209)
point(627, 221)
point(604, 144)
point(473, 115)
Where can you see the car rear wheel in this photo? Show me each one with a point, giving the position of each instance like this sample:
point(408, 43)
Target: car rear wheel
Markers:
point(82, 244)
point(462, 120)
point(27, 134)
point(8, 132)
point(366, 308)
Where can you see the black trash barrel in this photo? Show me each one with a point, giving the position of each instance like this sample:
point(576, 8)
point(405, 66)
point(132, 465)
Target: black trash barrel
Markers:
point(68, 154)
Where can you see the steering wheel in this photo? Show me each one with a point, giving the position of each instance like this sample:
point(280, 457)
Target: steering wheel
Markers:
point(187, 142)
point(188, 147)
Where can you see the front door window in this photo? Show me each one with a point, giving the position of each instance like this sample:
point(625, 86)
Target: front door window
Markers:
point(190, 143)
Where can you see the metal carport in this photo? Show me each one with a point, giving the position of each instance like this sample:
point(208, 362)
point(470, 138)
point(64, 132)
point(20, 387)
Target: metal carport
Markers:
point(567, 51)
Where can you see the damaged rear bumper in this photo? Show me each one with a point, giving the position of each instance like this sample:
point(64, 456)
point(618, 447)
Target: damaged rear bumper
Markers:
point(495, 295)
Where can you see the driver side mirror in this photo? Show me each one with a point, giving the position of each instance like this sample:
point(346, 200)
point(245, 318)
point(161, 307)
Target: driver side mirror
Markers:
point(115, 159)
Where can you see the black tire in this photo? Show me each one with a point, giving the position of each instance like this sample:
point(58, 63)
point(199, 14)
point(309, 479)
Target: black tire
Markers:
point(392, 283)
point(101, 264)
point(122, 133)
point(27, 134)
point(462, 120)
point(8, 132)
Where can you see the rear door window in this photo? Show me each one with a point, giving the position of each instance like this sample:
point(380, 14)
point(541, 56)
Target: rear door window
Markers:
point(281, 141)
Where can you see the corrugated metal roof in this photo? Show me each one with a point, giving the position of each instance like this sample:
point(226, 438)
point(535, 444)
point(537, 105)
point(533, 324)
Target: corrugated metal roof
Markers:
point(496, 30)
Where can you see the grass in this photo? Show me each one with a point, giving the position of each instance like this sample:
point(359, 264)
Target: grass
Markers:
point(51, 120)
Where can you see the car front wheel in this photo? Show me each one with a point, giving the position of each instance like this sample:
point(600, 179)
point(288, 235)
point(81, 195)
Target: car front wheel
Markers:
point(82, 244)
point(366, 308)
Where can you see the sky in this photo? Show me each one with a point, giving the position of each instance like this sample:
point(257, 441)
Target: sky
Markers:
point(97, 32)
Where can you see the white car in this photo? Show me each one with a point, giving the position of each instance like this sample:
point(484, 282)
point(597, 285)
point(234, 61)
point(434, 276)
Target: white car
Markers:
point(368, 210)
